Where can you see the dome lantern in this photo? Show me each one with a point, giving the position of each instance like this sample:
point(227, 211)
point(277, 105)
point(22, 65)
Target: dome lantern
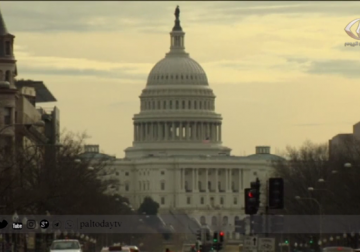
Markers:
point(177, 35)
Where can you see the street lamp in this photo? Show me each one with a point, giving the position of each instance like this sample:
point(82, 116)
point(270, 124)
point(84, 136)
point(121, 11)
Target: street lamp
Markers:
point(39, 123)
point(320, 213)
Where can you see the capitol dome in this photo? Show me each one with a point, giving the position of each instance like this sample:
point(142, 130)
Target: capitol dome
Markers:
point(177, 107)
point(177, 69)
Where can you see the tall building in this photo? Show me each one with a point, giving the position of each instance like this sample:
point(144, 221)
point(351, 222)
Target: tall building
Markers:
point(177, 156)
point(22, 122)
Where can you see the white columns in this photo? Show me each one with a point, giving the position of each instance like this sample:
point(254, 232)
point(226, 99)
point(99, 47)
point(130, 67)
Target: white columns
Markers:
point(216, 180)
point(206, 179)
point(194, 131)
point(193, 179)
point(230, 180)
point(196, 180)
point(187, 130)
point(207, 132)
point(141, 132)
point(158, 137)
point(151, 133)
point(173, 130)
point(220, 132)
point(181, 131)
point(166, 128)
point(240, 173)
point(226, 187)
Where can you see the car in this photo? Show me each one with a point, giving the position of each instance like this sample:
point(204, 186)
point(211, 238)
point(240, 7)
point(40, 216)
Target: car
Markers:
point(131, 248)
point(67, 245)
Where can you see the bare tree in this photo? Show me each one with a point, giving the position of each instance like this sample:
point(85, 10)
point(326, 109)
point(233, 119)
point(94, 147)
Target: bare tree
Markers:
point(58, 184)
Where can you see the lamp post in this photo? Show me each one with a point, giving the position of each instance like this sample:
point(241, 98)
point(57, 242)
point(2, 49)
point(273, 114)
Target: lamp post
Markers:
point(320, 214)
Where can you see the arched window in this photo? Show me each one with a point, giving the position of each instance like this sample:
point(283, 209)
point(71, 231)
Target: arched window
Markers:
point(202, 220)
point(236, 219)
point(7, 76)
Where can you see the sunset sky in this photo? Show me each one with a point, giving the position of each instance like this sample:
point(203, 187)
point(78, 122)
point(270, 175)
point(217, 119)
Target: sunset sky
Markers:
point(280, 70)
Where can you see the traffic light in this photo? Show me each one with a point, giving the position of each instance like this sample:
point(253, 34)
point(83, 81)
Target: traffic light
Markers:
point(198, 235)
point(252, 198)
point(201, 248)
point(218, 246)
point(257, 224)
point(215, 237)
point(221, 234)
point(240, 226)
point(277, 224)
point(207, 235)
point(276, 193)
point(311, 240)
point(286, 241)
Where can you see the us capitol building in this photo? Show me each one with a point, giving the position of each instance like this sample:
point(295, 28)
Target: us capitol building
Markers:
point(178, 157)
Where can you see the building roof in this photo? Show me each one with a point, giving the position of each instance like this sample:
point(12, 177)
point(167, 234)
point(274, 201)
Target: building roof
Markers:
point(270, 157)
point(3, 29)
point(42, 93)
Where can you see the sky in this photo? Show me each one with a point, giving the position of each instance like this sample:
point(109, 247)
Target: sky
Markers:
point(280, 70)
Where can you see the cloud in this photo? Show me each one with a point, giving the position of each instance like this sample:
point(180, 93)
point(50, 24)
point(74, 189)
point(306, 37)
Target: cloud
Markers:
point(49, 16)
point(345, 68)
point(116, 73)
point(321, 124)
point(124, 103)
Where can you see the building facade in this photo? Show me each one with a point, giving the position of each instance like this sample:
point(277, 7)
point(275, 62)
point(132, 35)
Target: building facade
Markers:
point(345, 143)
point(177, 156)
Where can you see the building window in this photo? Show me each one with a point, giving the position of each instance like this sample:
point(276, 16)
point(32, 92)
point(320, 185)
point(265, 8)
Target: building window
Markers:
point(170, 105)
point(235, 201)
point(7, 115)
point(7, 48)
point(162, 172)
point(126, 187)
point(188, 200)
point(116, 173)
point(162, 200)
point(202, 200)
point(126, 174)
point(221, 201)
point(6, 145)
point(7, 76)
point(162, 186)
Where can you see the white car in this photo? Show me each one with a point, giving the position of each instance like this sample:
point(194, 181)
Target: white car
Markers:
point(65, 246)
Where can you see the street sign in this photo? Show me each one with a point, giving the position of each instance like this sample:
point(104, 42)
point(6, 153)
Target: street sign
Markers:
point(266, 245)
point(250, 243)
